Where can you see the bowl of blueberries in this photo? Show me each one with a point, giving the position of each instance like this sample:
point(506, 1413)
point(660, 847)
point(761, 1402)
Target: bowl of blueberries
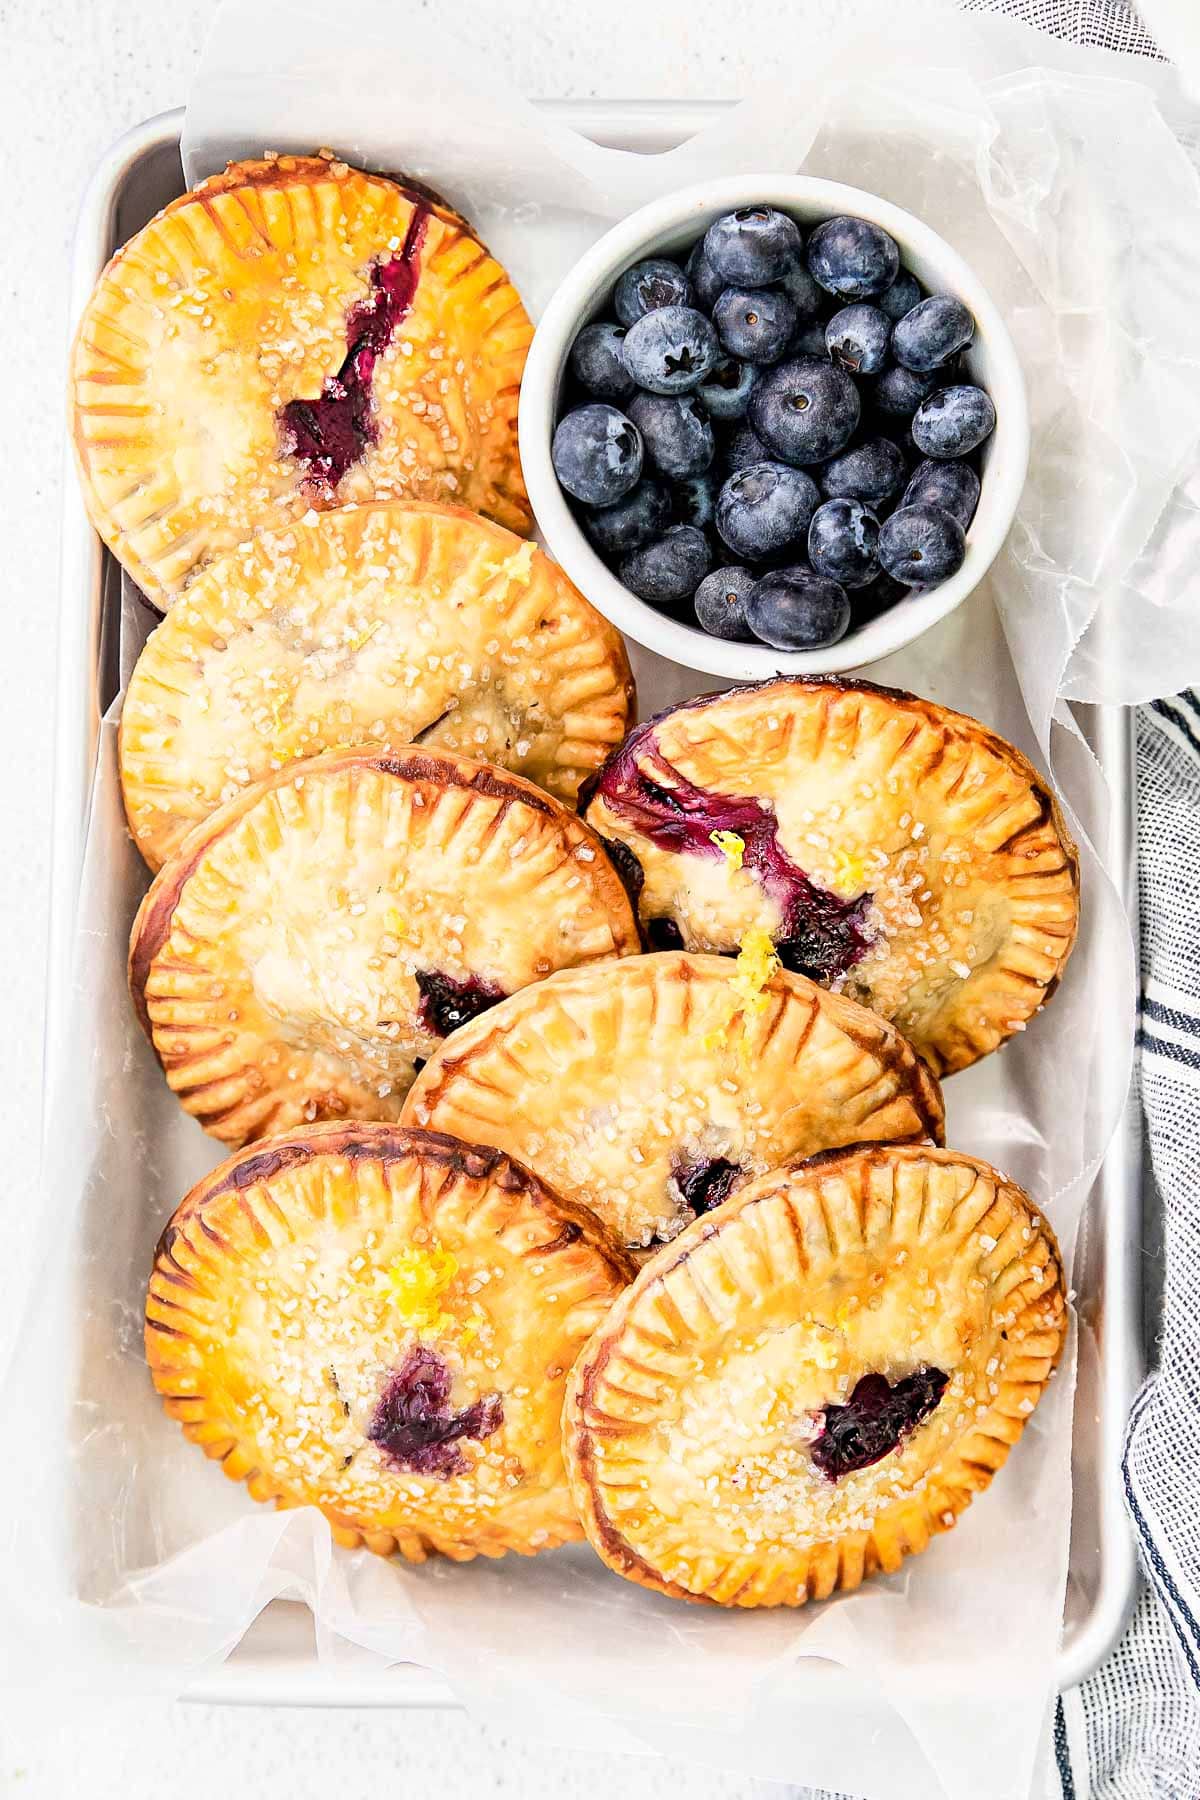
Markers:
point(773, 423)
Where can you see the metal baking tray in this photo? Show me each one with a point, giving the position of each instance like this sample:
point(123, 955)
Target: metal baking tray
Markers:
point(275, 1663)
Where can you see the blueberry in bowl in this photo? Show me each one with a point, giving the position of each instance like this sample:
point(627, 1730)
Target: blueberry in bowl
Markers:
point(765, 384)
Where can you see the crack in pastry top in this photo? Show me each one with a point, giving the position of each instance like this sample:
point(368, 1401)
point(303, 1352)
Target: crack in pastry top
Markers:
point(822, 936)
point(330, 433)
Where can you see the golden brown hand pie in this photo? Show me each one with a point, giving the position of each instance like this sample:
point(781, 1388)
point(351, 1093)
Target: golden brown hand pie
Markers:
point(373, 624)
point(650, 1089)
point(805, 1388)
point(315, 939)
point(894, 850)
point(379, 1323)
point(292, 335)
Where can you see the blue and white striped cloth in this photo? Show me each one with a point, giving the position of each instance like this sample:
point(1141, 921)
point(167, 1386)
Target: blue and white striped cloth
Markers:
point(1133, 1731)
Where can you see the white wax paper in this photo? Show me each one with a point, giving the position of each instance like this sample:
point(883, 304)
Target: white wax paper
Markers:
point(128, 1558)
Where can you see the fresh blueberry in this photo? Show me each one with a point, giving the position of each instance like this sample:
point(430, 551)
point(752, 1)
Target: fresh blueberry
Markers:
point(671, 350)
point(707, 285)
point(647, 286)
point(721, 603)
point(809, 339)
point(935, 330)
point(953, 422)
point(853, 258)
point(755, 324)
point(872, 471)
point(753, 246)
point(597, 363)
point(899, 392)
point(842, 539)
point(744, 448)
point(805, 294)
point(694, 500)
point(726, 393)
point(920, 545)
point(857, 339)
point(597, 454)
point(805, 410)
point(677, 434)
point(954, 486)
point(764, 507)
point(901, 297)
point(629, 523)
point(668, 568)
point(795, 609)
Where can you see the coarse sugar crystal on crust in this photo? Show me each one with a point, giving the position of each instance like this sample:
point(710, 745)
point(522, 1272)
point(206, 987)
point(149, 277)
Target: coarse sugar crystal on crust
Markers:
point(652, 1089)
point(810, 1385)
point(293, 334)
point(894, 850)
point(376, 624)
point(379, 1323)
point(316, 939)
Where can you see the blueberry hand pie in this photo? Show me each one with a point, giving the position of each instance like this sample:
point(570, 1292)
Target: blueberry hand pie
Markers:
point(807, 1387)
point(373, 624)
point(893, 850)
point(293, 335)
point(316, 939)
point(379, 1323)
point(651, 1089)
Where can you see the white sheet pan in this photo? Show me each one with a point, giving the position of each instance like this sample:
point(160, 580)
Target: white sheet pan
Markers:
point(275, 1663)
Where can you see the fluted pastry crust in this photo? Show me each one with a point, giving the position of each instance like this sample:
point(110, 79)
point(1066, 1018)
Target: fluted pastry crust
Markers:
point(947, 855)
point(284, 964)
point(655, 1086)
point(240, 299)
point(295, 1281)
point(696, 1415)
point(373, 624)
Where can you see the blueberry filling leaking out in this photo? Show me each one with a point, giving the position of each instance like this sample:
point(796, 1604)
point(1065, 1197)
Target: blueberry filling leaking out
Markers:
point(704, 1185)
point(446, 1003)
point(823, 936)
point(416, 1427)
point(874, 1420)
point(329, 434)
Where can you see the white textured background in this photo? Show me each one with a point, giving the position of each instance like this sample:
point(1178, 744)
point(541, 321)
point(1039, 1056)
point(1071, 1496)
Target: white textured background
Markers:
point(73, 75)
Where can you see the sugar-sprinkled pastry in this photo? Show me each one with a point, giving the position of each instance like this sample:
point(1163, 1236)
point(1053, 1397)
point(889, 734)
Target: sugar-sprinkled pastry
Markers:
point(292, 335)
point(651, 1089)
point(894, 850)
point(807, 1387)
point(374, 624)
point(379, 1323)
point(317, 938)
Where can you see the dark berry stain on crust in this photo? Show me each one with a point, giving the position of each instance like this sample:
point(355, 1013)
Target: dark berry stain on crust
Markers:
point(874, 1420)
point(329, 434)
point(416, 1427)
point(704, 1184)
point(447, 1003)
point(823, 936)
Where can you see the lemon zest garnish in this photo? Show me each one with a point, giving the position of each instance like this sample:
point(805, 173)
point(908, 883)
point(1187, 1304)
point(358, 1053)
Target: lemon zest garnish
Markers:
point(417, 1279)
point(397, 926)
point(365, 636)
point(757, 961)
point(731, 846)
point(849, 874)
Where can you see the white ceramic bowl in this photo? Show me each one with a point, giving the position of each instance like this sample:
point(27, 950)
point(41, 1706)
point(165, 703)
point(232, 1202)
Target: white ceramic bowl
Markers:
point(671, 225)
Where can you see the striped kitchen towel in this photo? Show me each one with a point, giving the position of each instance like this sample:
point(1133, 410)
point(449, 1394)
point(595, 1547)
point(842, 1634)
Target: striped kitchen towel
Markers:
point(1133, 1731)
